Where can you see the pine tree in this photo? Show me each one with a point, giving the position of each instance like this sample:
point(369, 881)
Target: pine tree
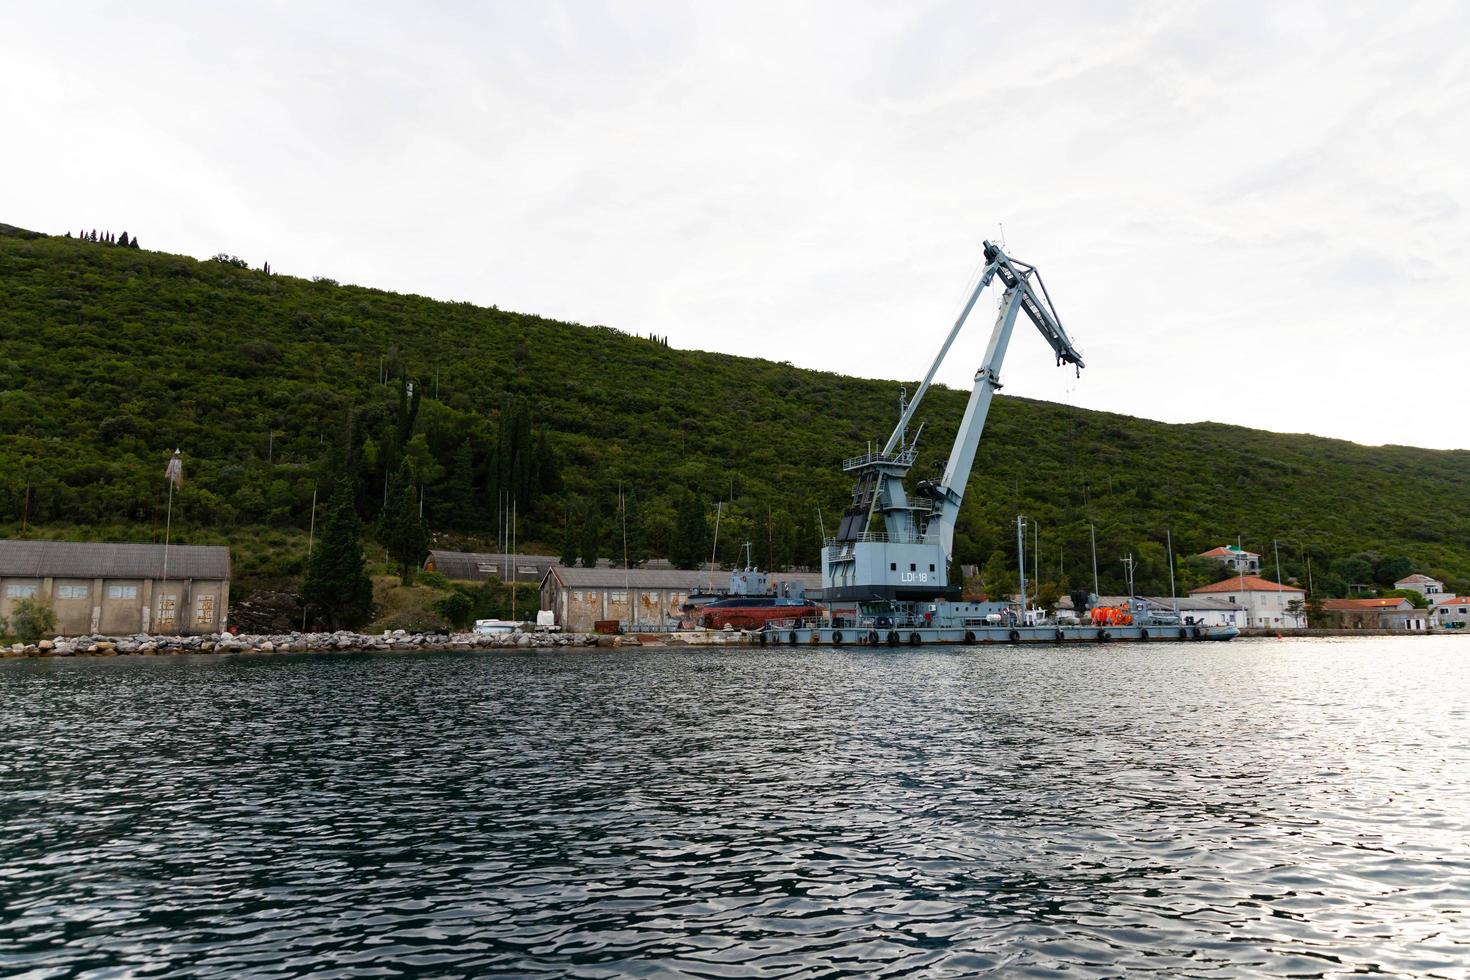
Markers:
point(568, 542)
point(691, 541)
point(401, 530)
point(94, 234)
point(123, 240)
point(337, 590)
point(591, 540)
point(134, 243)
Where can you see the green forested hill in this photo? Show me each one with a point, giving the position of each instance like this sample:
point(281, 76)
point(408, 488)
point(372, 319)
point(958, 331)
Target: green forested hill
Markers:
point(110, 357)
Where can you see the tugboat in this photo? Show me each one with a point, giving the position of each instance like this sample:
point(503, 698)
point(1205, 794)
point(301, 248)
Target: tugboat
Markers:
point(885, 574)
point(750, 604)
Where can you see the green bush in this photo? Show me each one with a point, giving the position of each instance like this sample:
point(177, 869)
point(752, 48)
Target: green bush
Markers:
point(457, 608)
point(33, 620)
point(434, 580)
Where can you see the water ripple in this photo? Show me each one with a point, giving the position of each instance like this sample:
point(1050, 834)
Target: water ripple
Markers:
point(1269, 808)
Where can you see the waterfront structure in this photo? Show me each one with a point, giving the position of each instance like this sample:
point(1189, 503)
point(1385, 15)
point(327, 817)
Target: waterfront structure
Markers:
point(1267, 604)
point(1393, 612)
point(1236, 559)
point(638, 598)
point(119, 589)
point(1430, 588)
point(1452, 613)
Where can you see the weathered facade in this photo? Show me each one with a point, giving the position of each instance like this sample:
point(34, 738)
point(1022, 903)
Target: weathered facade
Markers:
point(1392, 613)
point(119, 589)
point(639, 598)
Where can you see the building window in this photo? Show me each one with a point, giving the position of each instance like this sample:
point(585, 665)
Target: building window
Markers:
point(913, 567)
point(122, 592)
point(893, 566)
point(617, 597)
point(1232, 598)
point(931, 568)
point(71, 592)
point(19, 591)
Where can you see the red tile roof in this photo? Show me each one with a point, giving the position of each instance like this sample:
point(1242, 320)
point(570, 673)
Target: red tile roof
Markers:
point(1349, 605)
point(1231, 552)
point(1246, 583)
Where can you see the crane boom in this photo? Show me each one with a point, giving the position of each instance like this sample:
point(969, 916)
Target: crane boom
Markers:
point(909, 558)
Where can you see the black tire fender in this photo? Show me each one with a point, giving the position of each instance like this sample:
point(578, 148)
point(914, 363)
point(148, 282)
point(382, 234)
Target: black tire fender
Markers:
point(837, 638)
point(969, 636)
point(1015, 636)
point(915, 639)
point(1103, 636)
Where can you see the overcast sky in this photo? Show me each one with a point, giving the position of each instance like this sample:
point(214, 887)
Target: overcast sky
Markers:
point(1246, 212)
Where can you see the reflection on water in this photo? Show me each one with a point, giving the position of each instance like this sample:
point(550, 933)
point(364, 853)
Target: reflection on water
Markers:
point(1286, 808)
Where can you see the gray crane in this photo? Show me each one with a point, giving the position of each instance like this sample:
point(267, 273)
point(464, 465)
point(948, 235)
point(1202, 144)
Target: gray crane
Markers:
point(908, 560)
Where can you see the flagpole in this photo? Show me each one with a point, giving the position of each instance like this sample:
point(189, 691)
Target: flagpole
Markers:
point(310, 538)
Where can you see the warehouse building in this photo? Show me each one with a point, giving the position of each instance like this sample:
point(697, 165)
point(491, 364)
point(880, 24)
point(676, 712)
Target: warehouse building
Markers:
point(118, 589)
point(640, 598)
point(477, 566)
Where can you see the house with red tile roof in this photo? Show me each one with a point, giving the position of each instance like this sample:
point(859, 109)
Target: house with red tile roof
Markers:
point(1392, 612)
point(1451, 613)
point(1267, 604)
point(1236, 559)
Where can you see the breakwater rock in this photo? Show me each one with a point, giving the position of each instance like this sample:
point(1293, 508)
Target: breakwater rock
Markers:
point(343, 640)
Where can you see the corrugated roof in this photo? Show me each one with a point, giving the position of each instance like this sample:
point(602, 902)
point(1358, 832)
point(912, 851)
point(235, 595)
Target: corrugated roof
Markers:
point(86, 559)
point(668, 578)
point(475, 566)
point(1246, 583)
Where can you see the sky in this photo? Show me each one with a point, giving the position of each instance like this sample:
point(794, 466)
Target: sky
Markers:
point(1246, 212)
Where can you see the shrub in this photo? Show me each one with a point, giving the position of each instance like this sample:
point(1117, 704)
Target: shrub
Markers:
point(457, 608)
point(434, 580)
point(33, 620)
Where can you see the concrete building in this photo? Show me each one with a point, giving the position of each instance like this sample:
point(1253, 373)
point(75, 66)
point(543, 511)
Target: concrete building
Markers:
point(1394, 612)
point(1267, 605)
point(1430, 588)
point(119, 588)
point(640, 598)
point(1452, 613)
point(1235, 559)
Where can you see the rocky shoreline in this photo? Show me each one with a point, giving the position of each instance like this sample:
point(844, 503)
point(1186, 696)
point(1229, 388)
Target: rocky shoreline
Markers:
point(342, 640)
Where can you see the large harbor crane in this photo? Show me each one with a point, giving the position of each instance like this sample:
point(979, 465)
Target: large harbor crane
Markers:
point(908, 558)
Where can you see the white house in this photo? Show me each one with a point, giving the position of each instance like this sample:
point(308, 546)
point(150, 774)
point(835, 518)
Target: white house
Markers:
point(1236, 559)
point(1430, 588)
point(1452, 613)
point(1267, 604)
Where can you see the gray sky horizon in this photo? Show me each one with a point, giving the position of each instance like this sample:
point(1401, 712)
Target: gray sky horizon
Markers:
point(1247, 213)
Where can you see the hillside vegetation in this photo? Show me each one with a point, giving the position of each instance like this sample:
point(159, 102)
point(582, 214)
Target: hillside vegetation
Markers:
point(110, 357)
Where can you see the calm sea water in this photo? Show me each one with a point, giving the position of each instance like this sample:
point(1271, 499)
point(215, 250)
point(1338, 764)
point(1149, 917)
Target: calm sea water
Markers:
point(1279, 808)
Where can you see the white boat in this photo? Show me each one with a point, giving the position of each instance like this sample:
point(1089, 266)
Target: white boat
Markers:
point(496, 626)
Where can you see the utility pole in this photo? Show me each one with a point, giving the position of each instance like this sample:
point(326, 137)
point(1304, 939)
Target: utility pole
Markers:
point(1021, 561)
point(1096, 589)
point(1173, 593)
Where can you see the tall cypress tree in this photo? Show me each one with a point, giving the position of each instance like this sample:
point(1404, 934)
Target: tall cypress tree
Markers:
point(568, 542)
point(591, 540)
point(690, 544)
point(337, 590)
point(401, 530)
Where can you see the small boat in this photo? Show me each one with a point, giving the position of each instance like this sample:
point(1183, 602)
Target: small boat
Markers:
point(496, 626)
